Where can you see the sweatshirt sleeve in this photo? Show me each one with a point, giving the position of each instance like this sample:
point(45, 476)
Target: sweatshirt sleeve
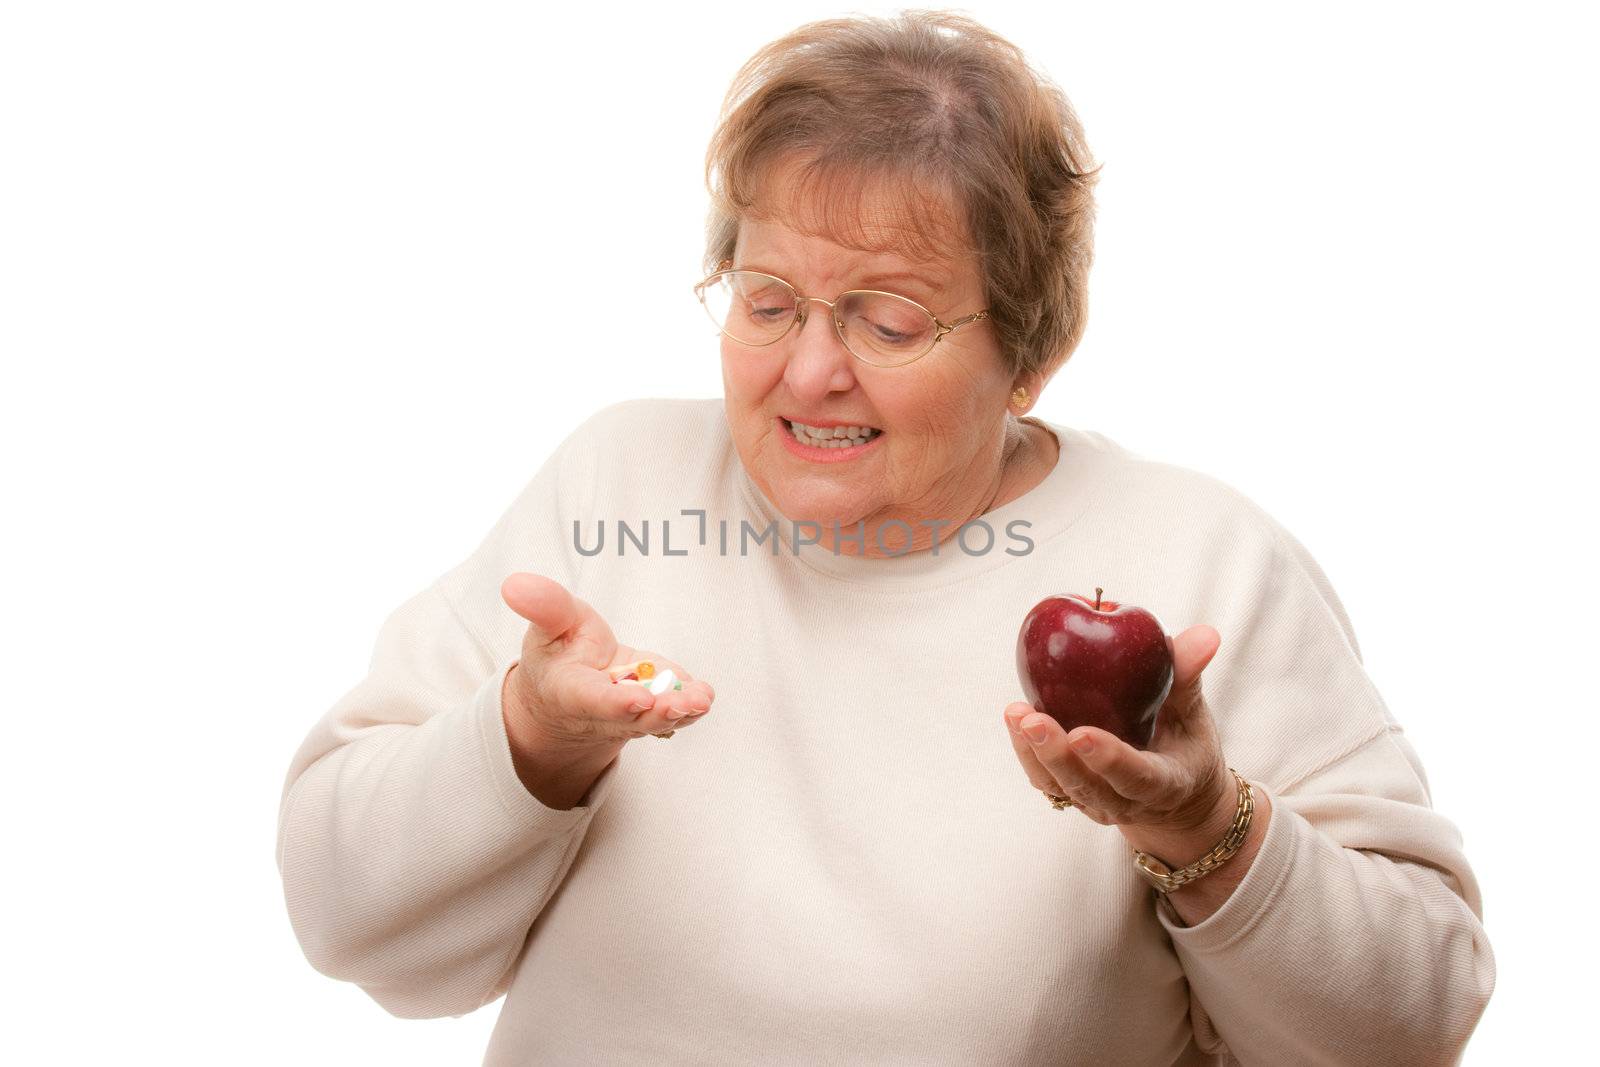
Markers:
point(414, 861)
point(1356, 937)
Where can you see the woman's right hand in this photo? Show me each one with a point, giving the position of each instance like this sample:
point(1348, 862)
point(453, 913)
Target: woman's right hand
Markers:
point(560, 696)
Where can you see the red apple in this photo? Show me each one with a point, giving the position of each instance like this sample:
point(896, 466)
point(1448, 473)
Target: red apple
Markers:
point(1095, 663)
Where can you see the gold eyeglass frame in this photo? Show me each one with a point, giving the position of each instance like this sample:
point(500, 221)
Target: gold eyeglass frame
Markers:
point(803, 303)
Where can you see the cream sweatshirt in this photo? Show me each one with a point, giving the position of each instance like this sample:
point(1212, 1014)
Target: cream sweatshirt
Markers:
point(844, 863)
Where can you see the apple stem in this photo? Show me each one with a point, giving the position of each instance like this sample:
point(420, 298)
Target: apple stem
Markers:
point(1097, 592)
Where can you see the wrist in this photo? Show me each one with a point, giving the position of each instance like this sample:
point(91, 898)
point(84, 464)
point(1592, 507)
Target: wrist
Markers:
point(1179, 846)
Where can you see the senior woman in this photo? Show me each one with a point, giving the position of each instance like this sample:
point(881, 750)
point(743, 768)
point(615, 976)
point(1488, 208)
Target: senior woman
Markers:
point(870, 851)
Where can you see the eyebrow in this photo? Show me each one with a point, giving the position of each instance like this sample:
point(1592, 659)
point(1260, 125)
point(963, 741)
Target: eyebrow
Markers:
point(929, 284)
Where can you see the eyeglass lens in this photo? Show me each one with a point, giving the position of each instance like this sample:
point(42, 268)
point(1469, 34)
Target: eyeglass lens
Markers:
point(879, 328)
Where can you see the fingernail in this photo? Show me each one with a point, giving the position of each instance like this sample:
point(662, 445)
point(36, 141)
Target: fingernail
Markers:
point(677, 713)
point(642, 707)
point(1083, 745)
point(1036, 732)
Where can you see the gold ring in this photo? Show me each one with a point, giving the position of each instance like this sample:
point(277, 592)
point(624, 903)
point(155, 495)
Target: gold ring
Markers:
point(1058, 802)
point(666, 735)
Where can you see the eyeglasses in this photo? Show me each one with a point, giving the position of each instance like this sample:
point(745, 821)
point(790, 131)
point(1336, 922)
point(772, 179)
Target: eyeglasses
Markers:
point(878, 328)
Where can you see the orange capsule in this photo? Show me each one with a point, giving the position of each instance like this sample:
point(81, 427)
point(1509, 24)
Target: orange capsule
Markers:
point(647, 670)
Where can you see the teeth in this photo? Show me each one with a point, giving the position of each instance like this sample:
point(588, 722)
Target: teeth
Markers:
point(832, 437)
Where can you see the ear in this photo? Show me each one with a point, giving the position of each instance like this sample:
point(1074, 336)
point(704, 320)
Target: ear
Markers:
point(1033, 383)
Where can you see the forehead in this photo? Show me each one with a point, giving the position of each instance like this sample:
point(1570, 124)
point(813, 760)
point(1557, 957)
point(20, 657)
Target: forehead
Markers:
point(856, 222)
point(778, 248)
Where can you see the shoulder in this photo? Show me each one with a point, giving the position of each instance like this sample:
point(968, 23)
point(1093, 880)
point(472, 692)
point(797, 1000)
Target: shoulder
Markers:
point(640, 449)
point(653, 429)
point(1149, 493)
point(653, 434)
point(620, 461)
point(639, 413)
point(1214, 524)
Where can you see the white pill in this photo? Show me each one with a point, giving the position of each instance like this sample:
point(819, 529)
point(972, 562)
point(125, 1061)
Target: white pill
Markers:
point(662, 681)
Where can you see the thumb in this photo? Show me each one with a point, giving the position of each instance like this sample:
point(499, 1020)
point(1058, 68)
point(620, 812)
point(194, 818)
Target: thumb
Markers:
point(543, 602)
point(1192, 650)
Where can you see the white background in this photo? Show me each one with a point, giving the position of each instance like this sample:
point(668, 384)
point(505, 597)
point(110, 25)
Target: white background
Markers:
point(294, 297)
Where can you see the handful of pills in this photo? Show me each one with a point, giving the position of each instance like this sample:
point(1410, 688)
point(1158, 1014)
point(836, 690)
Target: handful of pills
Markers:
point(644, 673)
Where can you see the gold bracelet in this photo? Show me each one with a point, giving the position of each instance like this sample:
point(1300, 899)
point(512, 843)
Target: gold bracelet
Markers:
point(1165, 879)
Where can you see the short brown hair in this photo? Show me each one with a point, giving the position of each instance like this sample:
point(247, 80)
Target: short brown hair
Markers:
point(983, 155)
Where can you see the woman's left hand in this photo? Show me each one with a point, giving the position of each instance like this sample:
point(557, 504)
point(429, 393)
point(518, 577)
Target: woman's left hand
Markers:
point(1176, 785)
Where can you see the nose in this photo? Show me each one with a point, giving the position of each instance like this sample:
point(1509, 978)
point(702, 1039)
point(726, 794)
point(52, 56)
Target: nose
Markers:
point(819, 363)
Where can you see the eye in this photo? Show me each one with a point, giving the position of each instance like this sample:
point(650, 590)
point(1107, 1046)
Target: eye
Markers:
point(768, 314)
point(890, 324)
point(766, 304)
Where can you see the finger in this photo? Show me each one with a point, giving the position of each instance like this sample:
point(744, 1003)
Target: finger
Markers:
point(693, 699)
point(695, 696)
point(1184, 724)
point(664, 711)
point(1036, 772)
point(546, 604)
point(1192, 650)
point(670, 704)
point(1135, 775)
point(614, 702)
point(674, 709)
point(1064, 765)
point(680, 709)
point(699, 696)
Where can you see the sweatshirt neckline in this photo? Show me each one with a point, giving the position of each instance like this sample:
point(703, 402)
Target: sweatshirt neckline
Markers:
point(1041, 513)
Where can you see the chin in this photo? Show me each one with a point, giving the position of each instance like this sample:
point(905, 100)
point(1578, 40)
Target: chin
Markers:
point(799, 495)
point(821, 505)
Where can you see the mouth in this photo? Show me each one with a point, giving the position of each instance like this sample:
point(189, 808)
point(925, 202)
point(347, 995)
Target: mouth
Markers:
point(842, 436)
point(827, 443)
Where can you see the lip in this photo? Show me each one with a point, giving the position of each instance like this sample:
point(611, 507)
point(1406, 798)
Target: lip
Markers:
point(823, 455)
point(824, 424)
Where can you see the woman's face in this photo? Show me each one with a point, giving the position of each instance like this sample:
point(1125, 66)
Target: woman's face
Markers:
point(942, 418)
